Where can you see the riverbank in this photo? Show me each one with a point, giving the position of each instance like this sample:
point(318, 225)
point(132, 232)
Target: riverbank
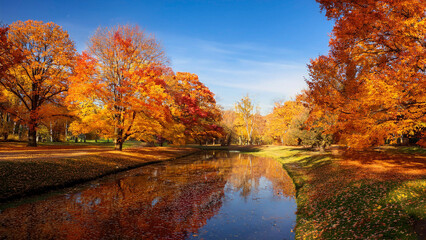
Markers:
point(378, 194)
point(28, 171)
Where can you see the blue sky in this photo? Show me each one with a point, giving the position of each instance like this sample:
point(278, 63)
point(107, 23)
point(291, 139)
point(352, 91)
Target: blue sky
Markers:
point(236, 47)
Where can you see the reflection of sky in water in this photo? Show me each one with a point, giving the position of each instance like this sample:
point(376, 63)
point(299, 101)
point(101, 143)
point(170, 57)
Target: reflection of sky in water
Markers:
point(223, 196)
point(261, 215)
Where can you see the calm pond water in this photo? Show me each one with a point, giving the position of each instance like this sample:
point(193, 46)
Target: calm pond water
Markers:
point(215, 195)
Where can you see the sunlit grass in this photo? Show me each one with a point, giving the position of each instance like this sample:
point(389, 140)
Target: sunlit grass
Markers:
point(411, 197)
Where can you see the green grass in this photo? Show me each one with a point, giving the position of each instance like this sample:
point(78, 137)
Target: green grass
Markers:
point(337, 200)
point(405, 149)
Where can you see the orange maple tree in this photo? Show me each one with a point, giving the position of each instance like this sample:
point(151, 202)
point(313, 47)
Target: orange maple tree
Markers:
point(373, 80)
point(40, 79)
point(118, 82)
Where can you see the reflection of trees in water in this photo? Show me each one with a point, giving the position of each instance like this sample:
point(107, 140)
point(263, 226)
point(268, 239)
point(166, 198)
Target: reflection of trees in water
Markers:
point(167, 201)
point(248, 170)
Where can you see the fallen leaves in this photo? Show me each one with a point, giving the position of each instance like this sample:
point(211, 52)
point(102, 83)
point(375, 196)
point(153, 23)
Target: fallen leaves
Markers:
point(361, 195)
point(33, 171)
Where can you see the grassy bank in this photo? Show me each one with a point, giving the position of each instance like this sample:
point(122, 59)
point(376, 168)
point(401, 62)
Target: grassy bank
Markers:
point(27, 171)
point(377, 194)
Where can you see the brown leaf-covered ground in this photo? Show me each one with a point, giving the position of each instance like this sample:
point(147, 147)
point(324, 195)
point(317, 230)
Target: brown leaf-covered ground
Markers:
point(25, 170)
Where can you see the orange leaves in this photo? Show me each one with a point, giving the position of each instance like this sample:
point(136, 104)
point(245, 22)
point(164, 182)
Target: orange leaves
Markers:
point(117, 88)
point(373, 80)
point(282, 117)
point(41, 76)
point(120, 78)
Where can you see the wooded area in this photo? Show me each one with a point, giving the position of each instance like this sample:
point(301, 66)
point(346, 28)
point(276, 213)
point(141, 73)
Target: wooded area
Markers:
point(367, 91)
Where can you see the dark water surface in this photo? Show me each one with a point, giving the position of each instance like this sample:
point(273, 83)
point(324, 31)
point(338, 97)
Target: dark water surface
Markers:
point(215, 195)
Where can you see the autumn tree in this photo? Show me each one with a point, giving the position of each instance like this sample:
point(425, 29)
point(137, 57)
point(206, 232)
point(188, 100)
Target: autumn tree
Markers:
point(10, 55)
point(282, 116)
point(372, 84)
point(40, 80)
point(259, 135)
point(246, 118)
point(227, 123)
point(118, 83)
point(194, 107)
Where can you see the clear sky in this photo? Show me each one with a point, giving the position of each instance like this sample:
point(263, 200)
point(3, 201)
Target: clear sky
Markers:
point(255, 47)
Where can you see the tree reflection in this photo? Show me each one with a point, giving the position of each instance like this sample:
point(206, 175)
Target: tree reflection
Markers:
point(165, 201)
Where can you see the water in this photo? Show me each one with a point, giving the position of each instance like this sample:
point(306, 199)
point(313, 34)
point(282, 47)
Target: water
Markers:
point(217, 195)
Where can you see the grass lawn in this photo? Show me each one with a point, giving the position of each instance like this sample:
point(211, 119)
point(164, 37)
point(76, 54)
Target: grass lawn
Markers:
point(25, 170)
point(378, 194)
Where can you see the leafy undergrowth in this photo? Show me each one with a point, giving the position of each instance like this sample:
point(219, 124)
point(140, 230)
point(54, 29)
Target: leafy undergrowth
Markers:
point(31, 171)
point(356, 195)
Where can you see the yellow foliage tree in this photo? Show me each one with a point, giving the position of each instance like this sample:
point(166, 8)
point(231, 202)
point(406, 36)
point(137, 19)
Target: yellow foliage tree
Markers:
point(281, 118)
point(246, 120)
point(40, 79)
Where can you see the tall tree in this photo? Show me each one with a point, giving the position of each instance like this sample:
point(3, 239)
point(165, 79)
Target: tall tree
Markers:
point(374, 79)
point(246, 116)
point(119, 81)
point(40, 80)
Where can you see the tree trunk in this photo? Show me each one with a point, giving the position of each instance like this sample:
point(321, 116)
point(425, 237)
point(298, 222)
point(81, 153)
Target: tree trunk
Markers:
point(322, 146)
point(66, 131)
point(32, 125)
point(32, 136)
point(119, 139)
point(32, 131)
point(118, 145)
point(228, 142)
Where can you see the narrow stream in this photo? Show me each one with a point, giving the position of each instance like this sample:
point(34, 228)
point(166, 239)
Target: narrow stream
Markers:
point(216, 195)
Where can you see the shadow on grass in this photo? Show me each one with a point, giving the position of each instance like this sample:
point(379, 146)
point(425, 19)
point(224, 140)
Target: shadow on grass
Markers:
point(406, 150)
point(386, 164)
point(374, 194)
point(306, 149)
point(353, 192)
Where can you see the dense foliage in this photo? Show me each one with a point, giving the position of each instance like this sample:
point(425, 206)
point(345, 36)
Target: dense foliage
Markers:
point(120, 88)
